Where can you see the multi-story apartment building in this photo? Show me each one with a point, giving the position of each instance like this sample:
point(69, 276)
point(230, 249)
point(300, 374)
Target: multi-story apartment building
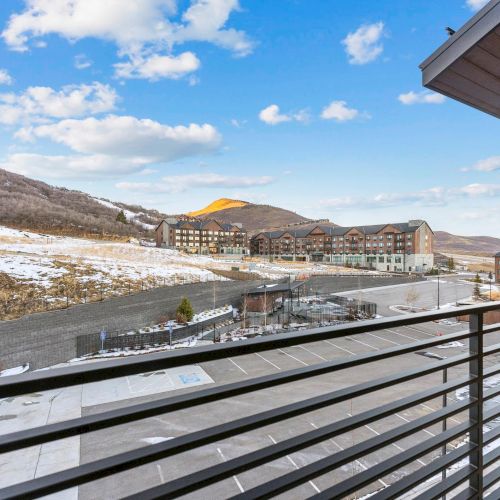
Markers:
point(397, 247)
point(497, 267)
point(202, 237)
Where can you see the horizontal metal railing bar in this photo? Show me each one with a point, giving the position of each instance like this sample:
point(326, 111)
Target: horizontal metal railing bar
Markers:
point(491, 414)
point(344, 488)
point(59, 430)
point(322, 466)
point(448, 484)
point(491, 435)
point(130, 459)
point(492, 393)
point(491, 457)
point(492, 328)
point(264, 455)
point(466, 494)
point(494, 495)
point(491, 478)
point(491, 370)
point(442, 463)
point(408, 482)
point(492, 349)
point(74, 375)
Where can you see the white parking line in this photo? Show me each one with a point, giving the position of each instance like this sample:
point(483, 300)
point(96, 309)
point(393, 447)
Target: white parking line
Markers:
point(381, 338)
point(425, 430)
point(364, 343)
point(160, 472)
point(267, 361)
point(419, 331)
point(432, 409)
point(393, 444)
point(238, 366)
point(293, 357)
point(364, 467)
point(294, 464)
point(313, 353)
point(234, 477)
point(341, 348)
point(401, 334)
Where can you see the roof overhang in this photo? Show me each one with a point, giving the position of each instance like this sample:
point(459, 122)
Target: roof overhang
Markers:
point(467, 66)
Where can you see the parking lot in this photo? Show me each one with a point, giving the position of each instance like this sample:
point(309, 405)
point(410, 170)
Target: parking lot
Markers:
point(120, 392)
point(247, 366)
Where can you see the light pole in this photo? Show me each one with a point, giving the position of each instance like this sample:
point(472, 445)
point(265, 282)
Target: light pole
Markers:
point(438, 286)
point(490, 277)
point(265, 307)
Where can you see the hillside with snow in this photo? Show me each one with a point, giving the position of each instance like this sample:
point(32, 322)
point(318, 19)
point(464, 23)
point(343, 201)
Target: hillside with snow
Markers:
point(41, 271)
point(30, 204)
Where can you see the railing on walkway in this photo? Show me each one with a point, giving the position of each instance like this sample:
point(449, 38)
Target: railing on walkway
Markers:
point(471, 475)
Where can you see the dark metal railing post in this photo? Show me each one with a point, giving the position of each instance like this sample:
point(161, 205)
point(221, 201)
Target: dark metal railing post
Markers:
point(476, 393)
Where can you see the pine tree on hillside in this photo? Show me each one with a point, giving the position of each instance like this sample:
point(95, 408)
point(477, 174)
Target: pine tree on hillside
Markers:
point(185, 310)
point(121, 217)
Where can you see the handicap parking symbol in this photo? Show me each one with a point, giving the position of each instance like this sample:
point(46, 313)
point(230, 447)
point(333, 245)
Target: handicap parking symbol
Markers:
point(189, 378)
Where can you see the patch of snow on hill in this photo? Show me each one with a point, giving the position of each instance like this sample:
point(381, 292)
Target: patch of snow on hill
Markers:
point(129, 215)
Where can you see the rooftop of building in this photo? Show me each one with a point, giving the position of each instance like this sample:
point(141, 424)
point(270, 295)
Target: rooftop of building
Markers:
point(404, 227)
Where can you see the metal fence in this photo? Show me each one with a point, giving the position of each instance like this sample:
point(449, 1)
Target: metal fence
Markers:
point(115, 341)
point(470, 474)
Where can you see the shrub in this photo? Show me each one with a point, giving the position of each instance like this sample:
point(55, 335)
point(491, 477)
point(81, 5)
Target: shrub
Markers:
point(185, 309)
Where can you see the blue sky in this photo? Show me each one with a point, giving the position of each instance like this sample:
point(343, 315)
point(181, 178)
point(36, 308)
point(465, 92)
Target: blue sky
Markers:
point(310, 105)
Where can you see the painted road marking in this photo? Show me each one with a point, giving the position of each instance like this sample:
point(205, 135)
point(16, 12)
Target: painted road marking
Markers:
point(238, 366)
point(267, 361)
point(364, 467)
point(295, 465)
point(219, 451)
point(393, 444)
point(313, 353)
point(402, 334)
point(293, 357)
point(338, 347)
point(160, 472)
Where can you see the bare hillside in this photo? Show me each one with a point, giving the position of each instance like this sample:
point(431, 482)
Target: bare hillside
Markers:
point(473, 245)
point(31, 204)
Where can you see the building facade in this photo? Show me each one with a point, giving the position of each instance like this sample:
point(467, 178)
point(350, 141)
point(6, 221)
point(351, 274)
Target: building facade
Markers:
point(397, 247)
point(497, 267)
point(202, 237)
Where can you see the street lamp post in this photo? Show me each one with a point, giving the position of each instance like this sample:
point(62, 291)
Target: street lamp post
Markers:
point(265, 307)
point(438, 287)
point(490, 277)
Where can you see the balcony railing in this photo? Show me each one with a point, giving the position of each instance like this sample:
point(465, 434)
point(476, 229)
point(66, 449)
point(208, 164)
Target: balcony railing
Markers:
point(473, 475)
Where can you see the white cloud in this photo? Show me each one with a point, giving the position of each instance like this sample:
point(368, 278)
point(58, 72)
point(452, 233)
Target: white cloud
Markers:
point(476, 4)
point(436, 196)
point(272, 116)
point(82, 61)
point(156, 66)
point(490, 164)
point(424, 97)
point(180, 183)
point(127, 136)
point(478, 190)
point(338, 110)
point(5, 78)
point(143, 30)
point(38, 103)
point(363, 45)
point(70, 166)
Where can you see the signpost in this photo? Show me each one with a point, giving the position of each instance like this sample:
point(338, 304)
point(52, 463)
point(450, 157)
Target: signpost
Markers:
point(170, 329)
point(103, 336)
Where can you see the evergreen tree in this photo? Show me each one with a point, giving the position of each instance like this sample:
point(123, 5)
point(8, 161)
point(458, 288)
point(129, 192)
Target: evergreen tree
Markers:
point(121, 217)
point(185, 310)
point(477, 279)
point(476, 292)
